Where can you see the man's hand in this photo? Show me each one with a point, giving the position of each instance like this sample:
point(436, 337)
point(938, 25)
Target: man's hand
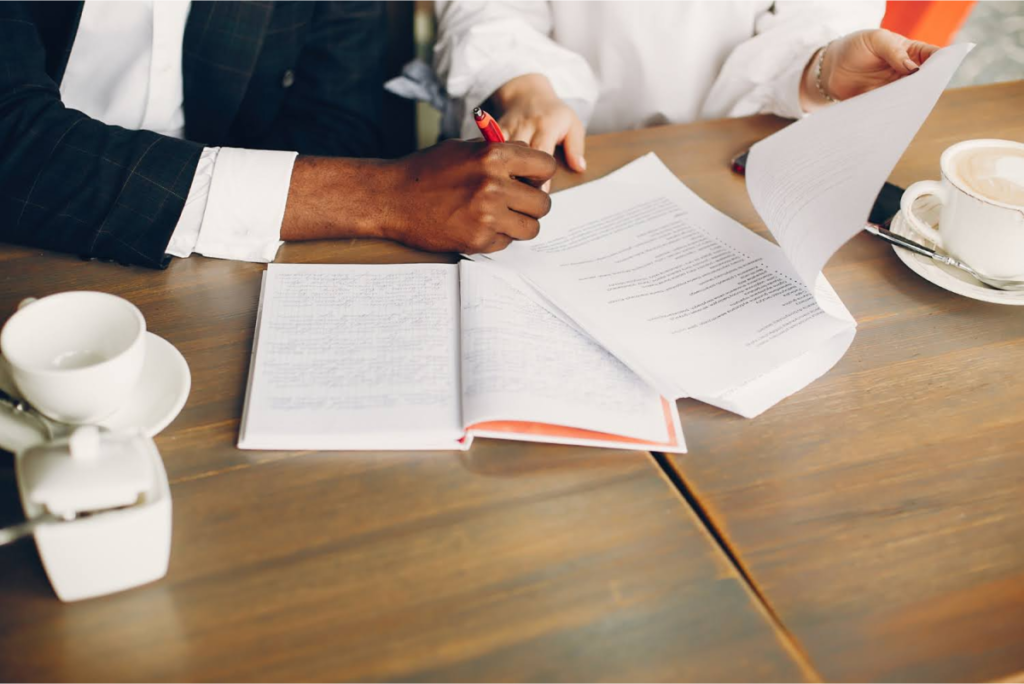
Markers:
point(529, 110)
point(457, 196)
point(859, 62)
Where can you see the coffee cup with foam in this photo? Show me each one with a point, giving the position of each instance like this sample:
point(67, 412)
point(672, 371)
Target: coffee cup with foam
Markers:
point(981, 221)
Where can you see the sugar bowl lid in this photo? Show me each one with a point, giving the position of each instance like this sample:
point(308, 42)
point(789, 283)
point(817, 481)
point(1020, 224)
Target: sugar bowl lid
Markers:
point(91, 470)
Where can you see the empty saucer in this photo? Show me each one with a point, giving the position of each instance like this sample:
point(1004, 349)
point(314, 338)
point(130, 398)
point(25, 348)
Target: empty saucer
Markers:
point(160, 394)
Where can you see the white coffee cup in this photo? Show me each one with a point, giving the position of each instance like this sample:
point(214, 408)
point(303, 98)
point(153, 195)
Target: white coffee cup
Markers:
point(75, 356)
point(982, 218)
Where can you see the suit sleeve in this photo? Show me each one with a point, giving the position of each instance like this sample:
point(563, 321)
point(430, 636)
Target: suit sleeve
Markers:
point(334, 107)
point(73, 184)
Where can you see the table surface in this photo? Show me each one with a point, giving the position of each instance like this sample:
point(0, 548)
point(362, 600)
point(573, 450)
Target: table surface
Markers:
point(872, 516)
point(880, 511)
point(512, 561)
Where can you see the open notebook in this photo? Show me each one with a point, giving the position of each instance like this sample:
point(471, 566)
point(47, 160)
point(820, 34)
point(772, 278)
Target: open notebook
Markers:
point(429, 356)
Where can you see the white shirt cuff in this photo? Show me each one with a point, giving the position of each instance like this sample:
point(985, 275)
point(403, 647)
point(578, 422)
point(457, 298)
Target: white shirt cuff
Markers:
point(243, 198)
point(186, 233)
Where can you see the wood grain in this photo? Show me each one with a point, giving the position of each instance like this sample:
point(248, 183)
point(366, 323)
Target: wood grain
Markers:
point(877, 511)
point(509, 562)
point(506, 563)
point(880, 510)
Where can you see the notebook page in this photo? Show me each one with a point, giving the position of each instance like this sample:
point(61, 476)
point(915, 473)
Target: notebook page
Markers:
point(814, 182)
point(356, 357)
point(680, 292)
point(520, 362)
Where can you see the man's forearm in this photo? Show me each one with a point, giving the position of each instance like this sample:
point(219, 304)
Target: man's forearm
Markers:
point(456, 196)
point(340, 198)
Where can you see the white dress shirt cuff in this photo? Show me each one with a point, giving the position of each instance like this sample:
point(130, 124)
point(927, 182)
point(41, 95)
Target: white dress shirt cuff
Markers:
point(186, 233)
point(240, 195)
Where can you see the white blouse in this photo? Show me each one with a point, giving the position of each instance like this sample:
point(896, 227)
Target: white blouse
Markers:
point(625, 65)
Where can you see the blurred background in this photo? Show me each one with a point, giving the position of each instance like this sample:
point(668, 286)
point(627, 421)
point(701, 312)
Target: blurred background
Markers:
point(996, 26)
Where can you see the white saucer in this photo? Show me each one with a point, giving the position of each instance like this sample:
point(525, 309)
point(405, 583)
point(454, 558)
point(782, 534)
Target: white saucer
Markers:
point(161, 393)
point(946, 277)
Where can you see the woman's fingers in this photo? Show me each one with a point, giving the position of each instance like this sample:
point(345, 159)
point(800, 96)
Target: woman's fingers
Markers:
point(545, 138)
point(893, 49)
point(920, 52)
point(545, 128)
point(573, 146)
point(517, 129)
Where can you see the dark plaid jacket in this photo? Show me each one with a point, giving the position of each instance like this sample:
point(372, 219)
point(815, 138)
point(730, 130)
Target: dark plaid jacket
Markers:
point(302, 76)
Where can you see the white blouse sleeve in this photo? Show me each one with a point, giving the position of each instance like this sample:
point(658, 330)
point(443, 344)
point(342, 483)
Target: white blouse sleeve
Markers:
point(483, 45)
point(762, 75)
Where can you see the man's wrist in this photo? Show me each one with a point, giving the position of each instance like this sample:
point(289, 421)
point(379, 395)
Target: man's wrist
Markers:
point(341, 198)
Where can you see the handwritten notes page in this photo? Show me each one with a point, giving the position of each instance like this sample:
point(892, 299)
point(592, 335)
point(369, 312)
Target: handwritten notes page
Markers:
point(356, 357)
point(376, 357)
point(814, 182)
point(522, 363)
point(689, 299)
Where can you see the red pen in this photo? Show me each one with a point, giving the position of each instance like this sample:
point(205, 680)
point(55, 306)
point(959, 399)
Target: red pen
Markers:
point(488, 126)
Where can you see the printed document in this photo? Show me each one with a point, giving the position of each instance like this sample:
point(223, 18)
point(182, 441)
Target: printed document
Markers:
point(689, 299)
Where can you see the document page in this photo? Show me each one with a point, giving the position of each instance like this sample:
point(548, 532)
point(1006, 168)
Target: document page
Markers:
point(814, 182)
point(520, 362)
point(689, 299)
point(353, 357)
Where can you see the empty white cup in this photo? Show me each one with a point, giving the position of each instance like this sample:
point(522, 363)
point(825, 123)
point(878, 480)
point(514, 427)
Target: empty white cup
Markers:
point(75, 356)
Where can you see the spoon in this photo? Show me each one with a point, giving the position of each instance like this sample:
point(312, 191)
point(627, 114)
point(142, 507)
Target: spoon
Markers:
point(912, 246)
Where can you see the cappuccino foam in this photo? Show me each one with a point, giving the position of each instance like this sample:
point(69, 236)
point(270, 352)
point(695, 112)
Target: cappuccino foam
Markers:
point(994, 172)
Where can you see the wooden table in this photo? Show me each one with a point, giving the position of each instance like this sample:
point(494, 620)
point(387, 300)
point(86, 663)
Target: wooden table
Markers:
point(509, 562)
point(866, 528)
point(880, 511)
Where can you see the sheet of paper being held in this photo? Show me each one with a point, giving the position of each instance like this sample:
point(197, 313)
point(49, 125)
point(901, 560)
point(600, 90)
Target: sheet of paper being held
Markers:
point(814, 182)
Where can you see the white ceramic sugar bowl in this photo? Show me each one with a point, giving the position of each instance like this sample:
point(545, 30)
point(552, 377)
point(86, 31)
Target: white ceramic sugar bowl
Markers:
point(106, 504)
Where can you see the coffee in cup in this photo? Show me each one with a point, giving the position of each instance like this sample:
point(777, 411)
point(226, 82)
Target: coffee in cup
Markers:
point(994, 172)
point(982, 217)
point(75, 356)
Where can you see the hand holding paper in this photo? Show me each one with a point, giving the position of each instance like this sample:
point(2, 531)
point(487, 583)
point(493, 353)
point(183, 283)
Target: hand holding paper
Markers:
point(814, 181)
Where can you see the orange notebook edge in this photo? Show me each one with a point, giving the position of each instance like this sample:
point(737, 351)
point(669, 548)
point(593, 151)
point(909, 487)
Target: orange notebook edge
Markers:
point(546, 432)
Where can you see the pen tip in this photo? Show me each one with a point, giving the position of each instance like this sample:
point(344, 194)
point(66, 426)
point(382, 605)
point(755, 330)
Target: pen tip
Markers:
point(478, 113)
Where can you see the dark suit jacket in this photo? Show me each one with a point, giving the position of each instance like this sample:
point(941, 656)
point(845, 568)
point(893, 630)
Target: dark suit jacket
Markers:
point(304, 76)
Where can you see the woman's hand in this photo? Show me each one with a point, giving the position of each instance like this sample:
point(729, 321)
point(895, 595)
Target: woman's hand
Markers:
point(859, 62)
point(529, 110)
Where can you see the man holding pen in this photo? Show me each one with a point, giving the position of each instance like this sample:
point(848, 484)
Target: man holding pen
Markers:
point(138, 131)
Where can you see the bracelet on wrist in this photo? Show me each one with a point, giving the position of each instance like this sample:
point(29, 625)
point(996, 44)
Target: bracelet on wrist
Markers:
point(817, 75)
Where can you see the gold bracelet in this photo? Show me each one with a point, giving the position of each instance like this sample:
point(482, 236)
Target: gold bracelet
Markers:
point(817, 75)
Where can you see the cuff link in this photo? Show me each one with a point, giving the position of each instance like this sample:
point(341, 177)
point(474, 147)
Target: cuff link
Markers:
point(288, 79)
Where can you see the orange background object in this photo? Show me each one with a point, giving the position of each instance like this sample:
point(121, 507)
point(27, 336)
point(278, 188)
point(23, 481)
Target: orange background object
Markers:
point(931, 21)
